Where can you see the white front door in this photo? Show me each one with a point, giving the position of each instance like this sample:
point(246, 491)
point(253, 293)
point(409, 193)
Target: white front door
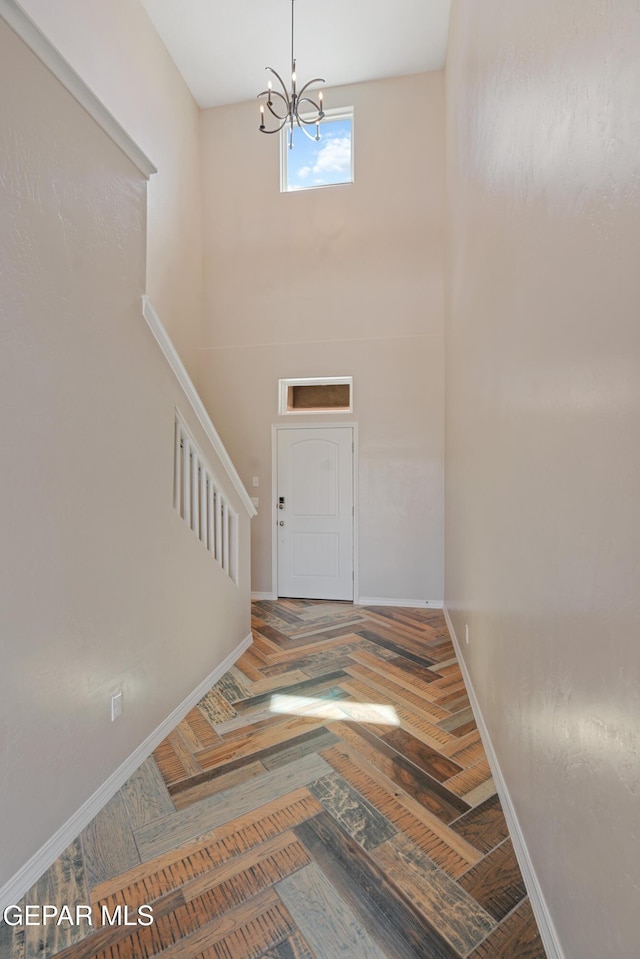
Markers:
point(315, 513)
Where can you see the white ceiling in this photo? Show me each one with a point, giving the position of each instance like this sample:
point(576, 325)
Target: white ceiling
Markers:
point(221, 47)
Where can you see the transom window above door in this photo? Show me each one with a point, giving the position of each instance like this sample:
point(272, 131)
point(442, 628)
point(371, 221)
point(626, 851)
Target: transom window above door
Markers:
point(316, 395)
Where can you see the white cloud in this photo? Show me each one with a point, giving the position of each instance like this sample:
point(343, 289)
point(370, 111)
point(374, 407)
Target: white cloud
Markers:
point(326, 162)
point(334, 157)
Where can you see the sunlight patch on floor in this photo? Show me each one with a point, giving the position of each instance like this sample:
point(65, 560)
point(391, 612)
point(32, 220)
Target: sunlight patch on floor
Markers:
point(334, 709)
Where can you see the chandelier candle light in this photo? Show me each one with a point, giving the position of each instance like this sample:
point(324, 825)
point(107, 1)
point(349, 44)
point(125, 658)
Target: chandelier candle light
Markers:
point(292, 102)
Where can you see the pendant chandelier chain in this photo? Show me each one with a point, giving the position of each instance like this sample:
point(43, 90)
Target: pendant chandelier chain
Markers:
point(293, 62)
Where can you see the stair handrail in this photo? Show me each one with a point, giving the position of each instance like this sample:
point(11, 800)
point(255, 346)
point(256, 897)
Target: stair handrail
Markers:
point(171, 354)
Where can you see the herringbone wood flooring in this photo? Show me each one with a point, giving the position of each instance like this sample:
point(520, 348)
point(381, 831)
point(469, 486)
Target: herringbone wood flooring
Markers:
point(329, 797)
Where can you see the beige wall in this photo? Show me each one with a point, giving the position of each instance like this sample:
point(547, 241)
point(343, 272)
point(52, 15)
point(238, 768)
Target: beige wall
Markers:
point(103, 585)
point(115, 49)
point(543, 437)
point(347, 280)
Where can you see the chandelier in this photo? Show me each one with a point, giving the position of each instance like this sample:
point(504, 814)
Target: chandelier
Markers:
point(284, 108)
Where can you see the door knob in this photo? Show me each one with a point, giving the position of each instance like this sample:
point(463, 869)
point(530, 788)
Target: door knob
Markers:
point(281, 523)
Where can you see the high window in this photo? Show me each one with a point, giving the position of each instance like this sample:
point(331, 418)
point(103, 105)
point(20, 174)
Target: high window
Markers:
point(319, 163)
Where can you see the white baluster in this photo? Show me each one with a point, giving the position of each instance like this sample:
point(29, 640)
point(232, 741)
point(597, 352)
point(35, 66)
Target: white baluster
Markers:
point(210, 542)
point(195, 501)
point(233, 547)
point(177, 495)
point(225, 540)
point(203, 505)
point(186, 473)
point(218, 526)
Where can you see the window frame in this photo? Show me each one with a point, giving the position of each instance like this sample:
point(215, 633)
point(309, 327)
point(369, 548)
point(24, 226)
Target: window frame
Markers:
point(283, 394)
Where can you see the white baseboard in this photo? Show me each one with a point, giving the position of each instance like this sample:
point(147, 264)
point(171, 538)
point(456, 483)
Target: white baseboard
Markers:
point(17, 886)
point(387, 601)
point(548, 932)
point(374, 601)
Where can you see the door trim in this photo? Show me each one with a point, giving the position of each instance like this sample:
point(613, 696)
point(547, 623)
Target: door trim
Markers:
point(274, 486)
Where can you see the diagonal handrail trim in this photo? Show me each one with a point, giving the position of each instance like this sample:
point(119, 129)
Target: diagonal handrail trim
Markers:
point(176, 364)
point(28, 31)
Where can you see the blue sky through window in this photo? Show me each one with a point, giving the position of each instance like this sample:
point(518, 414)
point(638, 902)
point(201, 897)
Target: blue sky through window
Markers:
point(322, 163)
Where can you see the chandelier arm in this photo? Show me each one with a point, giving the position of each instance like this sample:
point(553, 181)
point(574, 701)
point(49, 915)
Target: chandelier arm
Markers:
point(277, 129)
point(280, 81)
point(315, 80)
point(308, 135)
point(315, 106)
point(275, 93)
point(276, 116)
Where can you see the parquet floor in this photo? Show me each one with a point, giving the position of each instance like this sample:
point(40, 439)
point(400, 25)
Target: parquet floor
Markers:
point(329, 798)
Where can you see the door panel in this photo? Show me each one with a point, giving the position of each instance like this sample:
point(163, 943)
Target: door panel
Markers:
point(314, 477)
point(315, 525)
point(316, 554)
